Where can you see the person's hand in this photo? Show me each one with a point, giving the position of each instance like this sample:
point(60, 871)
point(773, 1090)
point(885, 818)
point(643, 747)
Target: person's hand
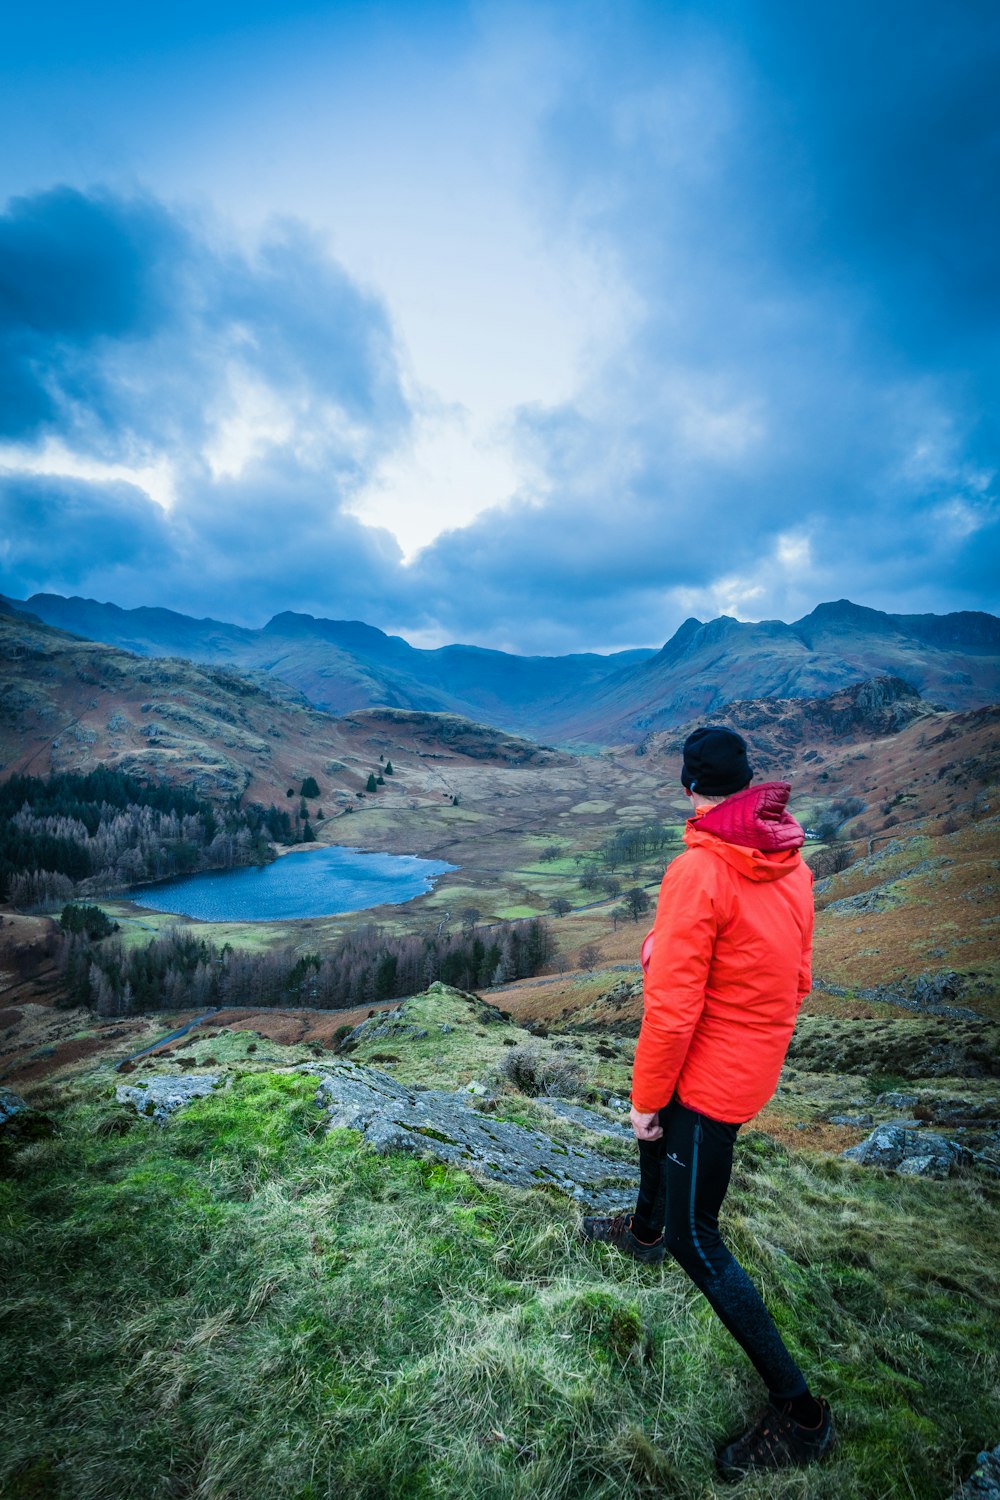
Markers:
point(645, 1127)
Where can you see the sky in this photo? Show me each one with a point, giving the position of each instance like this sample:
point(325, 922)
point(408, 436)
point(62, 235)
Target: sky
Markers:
point(537, 326)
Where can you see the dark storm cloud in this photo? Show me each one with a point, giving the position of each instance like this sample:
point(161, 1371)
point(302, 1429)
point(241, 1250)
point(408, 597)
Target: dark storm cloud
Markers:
point(801, 203)
point(125, 336)
point(67, 529)
point(801, 197)
point(276, 539)
point(119, 324)
point(75, 272)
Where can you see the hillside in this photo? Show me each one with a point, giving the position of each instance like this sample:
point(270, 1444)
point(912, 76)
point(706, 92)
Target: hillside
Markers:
point(952, 660)
point(341, 665)
point(189, 1294)
point(68, 704)
point(246, 1297)
point(877, 744)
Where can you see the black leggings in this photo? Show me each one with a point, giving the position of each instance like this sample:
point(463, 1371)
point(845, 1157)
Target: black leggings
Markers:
point(683, 1180)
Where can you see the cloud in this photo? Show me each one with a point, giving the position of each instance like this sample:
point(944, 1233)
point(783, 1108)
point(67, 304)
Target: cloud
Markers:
point(85, 282)
point(799, 402)
point(816, 355)
point(259, 392)
point(69, 534)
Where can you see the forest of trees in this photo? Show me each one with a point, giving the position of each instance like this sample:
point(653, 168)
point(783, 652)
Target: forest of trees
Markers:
point(77, 834)
point(180, 971)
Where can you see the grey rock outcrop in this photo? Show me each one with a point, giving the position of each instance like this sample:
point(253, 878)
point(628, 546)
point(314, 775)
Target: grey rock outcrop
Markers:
point(162, 1096)
point(578, 1114)
point(20, 1122)
point(11, 1106)
point(886, 995)
point(910, 1153)
point(957, 1111)
point(392, 1117)
point(379, 1028)
point(942, 988)
point(984, 1481)
point(896, 1100)
point(881, 897)
point(621, 993)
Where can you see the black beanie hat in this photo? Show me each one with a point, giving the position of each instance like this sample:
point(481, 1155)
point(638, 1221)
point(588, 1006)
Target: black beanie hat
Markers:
point(715, 762)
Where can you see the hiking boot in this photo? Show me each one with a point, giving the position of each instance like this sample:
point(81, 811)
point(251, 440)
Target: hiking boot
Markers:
point(776, 1442)
point(618, 1232)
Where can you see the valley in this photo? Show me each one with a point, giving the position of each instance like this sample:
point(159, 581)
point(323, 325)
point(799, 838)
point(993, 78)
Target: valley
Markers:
point(261, 1230)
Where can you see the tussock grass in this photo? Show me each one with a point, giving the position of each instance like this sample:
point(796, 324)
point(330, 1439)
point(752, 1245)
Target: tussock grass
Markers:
point(239, 1305)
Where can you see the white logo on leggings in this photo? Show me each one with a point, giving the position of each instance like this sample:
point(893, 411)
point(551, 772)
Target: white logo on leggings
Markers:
point(673, 1158)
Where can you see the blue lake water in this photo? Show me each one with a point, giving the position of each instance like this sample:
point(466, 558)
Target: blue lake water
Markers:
point(318, 882)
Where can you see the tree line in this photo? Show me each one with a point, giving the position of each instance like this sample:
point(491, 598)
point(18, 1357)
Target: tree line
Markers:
point(104, 830)
point(182, 971)
point(631, 845)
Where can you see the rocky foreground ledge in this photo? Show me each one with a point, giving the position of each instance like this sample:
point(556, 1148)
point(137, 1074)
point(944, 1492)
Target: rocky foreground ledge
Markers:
point(455, 1127)
point(394, 1117)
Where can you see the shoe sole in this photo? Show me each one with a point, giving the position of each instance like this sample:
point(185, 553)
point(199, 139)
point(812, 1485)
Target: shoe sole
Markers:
point(643, 1260)
point(733, 1475)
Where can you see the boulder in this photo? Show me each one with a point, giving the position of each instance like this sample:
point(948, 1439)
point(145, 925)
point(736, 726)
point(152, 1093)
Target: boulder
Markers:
point(385, 1026)
point(984, 1481)
point(855, 1120)
point(622, 993)
point(161, 1096)
point(942, 988)
point(393, 1117)
point(958, 1111)
point(20, 1122)
point(924, 1166)
point(11, 1106)
point(895, 1100)
point(911, 1153)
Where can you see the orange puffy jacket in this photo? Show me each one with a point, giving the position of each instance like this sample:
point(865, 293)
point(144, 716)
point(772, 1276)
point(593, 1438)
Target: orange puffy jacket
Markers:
point(727, 964)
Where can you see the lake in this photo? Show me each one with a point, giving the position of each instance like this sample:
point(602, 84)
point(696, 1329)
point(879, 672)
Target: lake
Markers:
point(319, 882)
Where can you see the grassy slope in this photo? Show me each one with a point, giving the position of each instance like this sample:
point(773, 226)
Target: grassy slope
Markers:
point(240, 1305)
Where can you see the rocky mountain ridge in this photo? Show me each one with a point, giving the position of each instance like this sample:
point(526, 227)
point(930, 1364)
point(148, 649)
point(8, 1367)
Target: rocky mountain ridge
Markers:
point(343, 665)
point(68, 704)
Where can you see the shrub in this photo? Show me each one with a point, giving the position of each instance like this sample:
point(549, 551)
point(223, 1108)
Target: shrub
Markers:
point(533, 1073)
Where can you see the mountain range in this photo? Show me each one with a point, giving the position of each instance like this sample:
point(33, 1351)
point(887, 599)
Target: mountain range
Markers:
point(70, 705)
point(579, 699)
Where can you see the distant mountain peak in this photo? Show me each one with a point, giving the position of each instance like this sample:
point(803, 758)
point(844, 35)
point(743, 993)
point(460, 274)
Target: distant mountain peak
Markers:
point(844, 612)
point(290, 624)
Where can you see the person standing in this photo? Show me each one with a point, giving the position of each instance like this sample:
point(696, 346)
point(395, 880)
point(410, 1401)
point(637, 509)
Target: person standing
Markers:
point(726, 968)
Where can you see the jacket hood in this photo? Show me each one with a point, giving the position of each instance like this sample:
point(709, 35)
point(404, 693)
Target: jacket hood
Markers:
point(752, 831)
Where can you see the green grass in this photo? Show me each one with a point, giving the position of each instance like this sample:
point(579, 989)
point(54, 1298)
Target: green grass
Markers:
point(238, 1305)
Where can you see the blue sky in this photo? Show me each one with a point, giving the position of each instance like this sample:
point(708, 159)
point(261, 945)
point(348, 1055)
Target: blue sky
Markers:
point(539, 326)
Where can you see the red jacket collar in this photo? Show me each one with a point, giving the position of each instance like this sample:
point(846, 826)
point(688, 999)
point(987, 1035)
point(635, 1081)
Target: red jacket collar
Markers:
point(756, 818)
